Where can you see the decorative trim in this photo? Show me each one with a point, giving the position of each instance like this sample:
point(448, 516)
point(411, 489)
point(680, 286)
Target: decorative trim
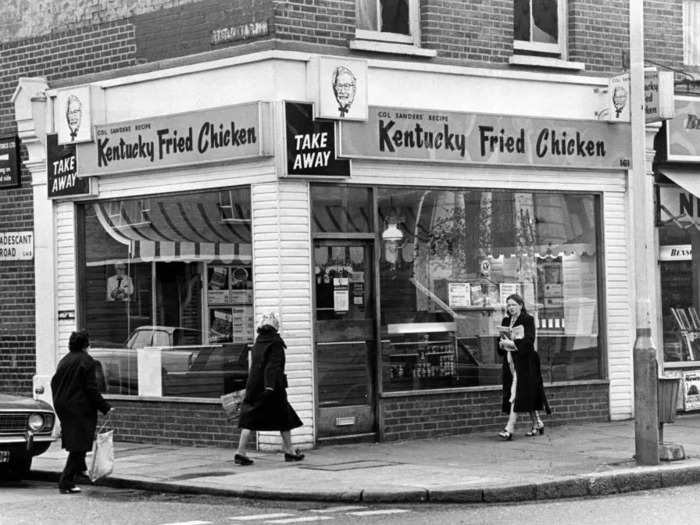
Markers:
point(537, 61)
point(388, 47)
point(485, 388)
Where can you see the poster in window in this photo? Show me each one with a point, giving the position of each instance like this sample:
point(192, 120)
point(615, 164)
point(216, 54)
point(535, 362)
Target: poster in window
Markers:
point(220, 325)
point(507, 289)
point(459, 295)
point(242, 324)
point(218, 292)
point(341, 294)
point(691, 390)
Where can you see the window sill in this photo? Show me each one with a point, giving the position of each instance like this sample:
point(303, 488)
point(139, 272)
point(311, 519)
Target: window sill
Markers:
point(388, 47)
point(536, 61)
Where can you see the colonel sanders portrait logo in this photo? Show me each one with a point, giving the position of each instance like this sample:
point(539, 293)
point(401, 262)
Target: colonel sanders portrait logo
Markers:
point(74, 115)
point(344, 88)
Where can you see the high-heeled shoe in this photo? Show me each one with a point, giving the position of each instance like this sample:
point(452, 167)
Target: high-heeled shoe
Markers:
point(505, 435)
point(537, 429)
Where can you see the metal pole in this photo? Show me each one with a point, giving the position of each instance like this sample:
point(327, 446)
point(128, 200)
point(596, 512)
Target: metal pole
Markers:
point(646, 428)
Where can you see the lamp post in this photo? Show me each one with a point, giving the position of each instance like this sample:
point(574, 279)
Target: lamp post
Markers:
point(645, 366)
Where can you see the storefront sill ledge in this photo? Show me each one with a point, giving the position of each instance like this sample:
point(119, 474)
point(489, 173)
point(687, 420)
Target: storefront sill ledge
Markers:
point(485, 388)
point(682, 364)
point(154, 399)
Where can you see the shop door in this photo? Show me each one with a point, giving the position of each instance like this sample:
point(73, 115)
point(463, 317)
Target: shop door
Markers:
point(345, 338)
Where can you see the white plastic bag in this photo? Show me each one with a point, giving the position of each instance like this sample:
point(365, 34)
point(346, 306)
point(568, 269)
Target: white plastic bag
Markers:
point(102, 462)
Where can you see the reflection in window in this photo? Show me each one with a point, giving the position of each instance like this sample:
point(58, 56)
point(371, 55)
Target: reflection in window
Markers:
point(459, 254)
point(340, 208)
point(387, 16)
point(146, 303)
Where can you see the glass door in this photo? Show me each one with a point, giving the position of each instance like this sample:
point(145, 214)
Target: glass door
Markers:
point(345, 338)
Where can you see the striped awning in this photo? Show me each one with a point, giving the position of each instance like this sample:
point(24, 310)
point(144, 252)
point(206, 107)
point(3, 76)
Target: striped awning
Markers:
point(199, 227)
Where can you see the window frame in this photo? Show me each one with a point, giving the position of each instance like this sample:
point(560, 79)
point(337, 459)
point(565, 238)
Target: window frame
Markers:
point(413, 38)
point(560, 48)
point(688, 35)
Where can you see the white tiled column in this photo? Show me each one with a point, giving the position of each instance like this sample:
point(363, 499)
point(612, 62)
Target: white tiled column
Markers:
point(282, 283)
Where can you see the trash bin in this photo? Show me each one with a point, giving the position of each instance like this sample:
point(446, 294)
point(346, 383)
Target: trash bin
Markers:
point(668, 398)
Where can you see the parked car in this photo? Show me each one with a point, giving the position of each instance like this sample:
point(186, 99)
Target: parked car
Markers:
point(26, 428)
point(188, 368)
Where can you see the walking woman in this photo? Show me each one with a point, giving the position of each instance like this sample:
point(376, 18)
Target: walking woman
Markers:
point(76, 401)
point(265, 406)
point(523, 389)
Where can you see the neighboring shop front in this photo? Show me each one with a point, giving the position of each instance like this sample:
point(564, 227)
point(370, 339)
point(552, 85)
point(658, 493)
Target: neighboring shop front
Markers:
point(678, 226)
point(386, 236)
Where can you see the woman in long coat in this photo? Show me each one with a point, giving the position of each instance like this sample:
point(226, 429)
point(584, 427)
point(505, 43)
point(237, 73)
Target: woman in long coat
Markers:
point(265, 405)
point(523, 388)
point(76, 401)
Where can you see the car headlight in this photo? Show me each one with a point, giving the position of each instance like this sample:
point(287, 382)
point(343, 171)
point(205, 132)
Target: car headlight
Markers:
point(36, 421)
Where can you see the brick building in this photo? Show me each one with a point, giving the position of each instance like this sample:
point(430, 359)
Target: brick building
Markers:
point(473, 159)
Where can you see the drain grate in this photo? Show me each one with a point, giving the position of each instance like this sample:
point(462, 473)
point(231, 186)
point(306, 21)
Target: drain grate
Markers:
point(207, 474)
point(351, 465)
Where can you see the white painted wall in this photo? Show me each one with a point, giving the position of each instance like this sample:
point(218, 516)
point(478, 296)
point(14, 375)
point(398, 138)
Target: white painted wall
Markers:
point(282, 283)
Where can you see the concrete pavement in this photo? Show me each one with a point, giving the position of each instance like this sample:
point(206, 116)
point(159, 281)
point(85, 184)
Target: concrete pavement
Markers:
point(567, 461)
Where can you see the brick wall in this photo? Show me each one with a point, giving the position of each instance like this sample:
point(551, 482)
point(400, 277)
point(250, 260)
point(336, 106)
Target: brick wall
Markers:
point(187, 29)
point(56, 56)
point(172, 423)
point(663, 32)
point(415, 417)
point(468, 31)
point(21, 20)
point(328, 22)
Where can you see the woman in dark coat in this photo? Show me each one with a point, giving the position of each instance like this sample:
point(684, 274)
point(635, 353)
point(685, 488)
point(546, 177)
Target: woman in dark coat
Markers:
point(265, 405)
point(523, 388)
point(76, 401)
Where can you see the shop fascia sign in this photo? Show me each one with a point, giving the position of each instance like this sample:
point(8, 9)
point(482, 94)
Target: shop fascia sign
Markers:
point(683, 131)
point(62, 171)
point(474, 138)
point(223, 134)
point(311, 144)
point(17, 246)
point(658, 96)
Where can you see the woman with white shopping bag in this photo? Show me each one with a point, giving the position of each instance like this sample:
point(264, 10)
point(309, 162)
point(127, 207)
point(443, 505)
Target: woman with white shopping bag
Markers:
point(76, 401)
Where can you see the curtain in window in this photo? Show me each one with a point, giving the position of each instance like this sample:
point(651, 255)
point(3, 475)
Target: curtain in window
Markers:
point(691, 32)
point(394, 16)
point(367, 15)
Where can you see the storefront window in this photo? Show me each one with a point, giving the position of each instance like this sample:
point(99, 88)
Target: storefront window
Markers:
point(680, 320)
point(341, 208)
point(450, 258)
point(167, 292)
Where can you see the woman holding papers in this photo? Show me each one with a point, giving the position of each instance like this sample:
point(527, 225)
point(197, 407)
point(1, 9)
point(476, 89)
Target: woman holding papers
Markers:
point(523, 389)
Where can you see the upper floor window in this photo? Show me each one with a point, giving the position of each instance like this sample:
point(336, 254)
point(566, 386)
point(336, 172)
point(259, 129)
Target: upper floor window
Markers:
point(691, 32)
point(539, 26)
point(389, 20)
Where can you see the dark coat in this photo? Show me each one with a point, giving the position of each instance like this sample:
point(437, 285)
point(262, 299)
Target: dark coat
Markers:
point(529, 393)
point(76, 400)
point(270, 410)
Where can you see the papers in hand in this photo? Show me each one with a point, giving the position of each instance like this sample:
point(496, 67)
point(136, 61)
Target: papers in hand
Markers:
point(515, 333)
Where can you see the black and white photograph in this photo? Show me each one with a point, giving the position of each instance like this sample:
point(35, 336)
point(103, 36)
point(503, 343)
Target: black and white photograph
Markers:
point(385, 262)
